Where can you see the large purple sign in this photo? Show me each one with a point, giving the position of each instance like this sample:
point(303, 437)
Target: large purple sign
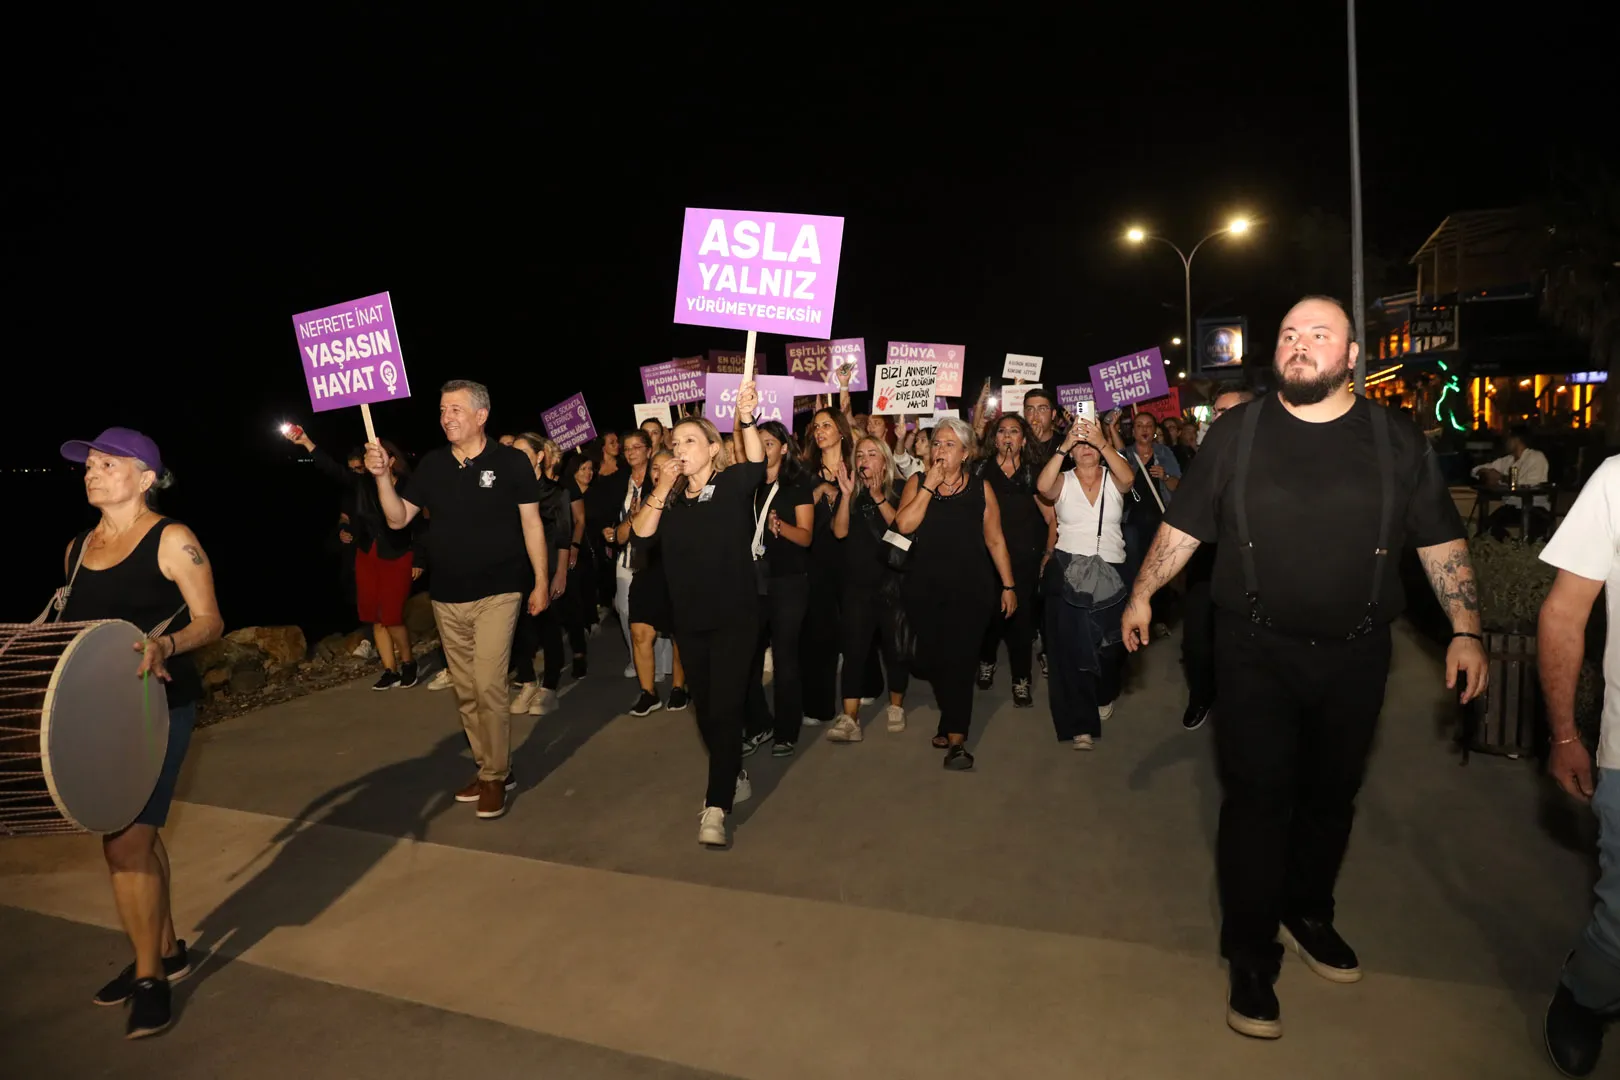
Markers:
point(747, 270)
point(948, 357)
point(776, 394)
point(1129, 379)
point(678, 380)
point(822, 359)
point(1073, 394)
point(569, 423)
point(351, 354)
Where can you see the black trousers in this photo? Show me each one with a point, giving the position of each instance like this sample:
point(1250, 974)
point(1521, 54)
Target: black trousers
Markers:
point(781, 619)
point(1076, 695)
point(818, 651)
point(866, 624)
point(717, 663)
point(1198, 642)
point(1019, 631)
point(534, 632)
point(1292, 736)
point(578, 603)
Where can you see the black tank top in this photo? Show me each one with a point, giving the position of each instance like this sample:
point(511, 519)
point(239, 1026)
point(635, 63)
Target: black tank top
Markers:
point(136, 591)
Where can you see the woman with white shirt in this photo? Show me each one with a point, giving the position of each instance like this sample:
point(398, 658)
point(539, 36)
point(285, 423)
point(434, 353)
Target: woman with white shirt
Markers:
point(1083, 643)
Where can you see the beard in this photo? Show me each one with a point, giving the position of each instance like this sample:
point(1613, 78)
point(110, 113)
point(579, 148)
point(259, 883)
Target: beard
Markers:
point(1314, 388)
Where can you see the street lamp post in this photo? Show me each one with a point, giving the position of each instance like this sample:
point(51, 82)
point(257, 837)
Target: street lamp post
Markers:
point(1237, 226)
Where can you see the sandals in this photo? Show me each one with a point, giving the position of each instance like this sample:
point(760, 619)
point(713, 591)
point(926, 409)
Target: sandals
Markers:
point(941, 743)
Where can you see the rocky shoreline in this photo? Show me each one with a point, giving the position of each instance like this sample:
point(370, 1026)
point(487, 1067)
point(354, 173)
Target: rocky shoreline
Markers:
point(259, 666)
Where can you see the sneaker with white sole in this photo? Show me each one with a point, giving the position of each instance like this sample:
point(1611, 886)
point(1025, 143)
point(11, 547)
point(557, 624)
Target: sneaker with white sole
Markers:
point(751, 743)
point(630, 670)
point(1084, 742)
point(646, 703)
point(814, 721)
point(712, 827)
point(679, 698)
point(528, 693)
point(846, 729)
point(987, 675)
point(1023, 697)
point(545, 703)
point(745, 788)
point(1105, 712)
point(441, 681)
point(895, 716)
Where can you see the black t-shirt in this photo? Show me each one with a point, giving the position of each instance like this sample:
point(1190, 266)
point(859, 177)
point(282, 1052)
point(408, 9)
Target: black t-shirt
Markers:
point(477, 538)
point(785, 558)
point(705, 541)
point(864, 557)
point(1022, 525)
point(1313, 504)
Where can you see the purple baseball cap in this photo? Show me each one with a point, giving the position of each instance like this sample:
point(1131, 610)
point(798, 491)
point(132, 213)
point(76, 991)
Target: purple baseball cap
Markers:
point(118, 442)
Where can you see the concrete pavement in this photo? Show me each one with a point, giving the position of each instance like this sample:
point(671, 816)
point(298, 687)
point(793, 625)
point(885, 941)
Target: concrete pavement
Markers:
point(1052, 913)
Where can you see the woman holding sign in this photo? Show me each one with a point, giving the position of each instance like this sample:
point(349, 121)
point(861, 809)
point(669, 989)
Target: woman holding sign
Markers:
point(701, 516)
point(958, 561)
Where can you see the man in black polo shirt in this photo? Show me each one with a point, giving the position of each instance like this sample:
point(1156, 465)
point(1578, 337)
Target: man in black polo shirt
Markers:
point(489, 549)
point(1040, 409)
point(1309, 496)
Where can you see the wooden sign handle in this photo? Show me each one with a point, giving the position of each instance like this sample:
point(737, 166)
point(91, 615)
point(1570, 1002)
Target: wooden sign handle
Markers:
point(371, 432)
point(748, 358)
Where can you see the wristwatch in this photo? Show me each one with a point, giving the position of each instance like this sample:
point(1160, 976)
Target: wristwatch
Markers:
point(749, 422)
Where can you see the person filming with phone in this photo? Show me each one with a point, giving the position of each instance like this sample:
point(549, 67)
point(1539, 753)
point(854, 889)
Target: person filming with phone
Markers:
point(1309, 495)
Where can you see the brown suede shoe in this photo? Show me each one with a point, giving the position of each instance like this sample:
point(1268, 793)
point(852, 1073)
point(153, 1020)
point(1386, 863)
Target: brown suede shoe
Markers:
point(470, 792)
point(491, 798)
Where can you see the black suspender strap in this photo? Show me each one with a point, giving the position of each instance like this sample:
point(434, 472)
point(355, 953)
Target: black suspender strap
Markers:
point(1251, 580)
point(1386, 513)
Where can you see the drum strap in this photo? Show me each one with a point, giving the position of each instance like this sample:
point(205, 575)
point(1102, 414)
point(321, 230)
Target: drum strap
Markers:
point(53, 610)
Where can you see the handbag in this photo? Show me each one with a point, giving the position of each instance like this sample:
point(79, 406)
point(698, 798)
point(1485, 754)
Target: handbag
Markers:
point(1090, 581)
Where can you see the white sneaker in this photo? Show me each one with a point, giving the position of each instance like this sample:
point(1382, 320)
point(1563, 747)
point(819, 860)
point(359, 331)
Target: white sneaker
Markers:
point(528, 694)
point(745, 789)
point(897, 718)
point(845, 729)
point(867, 700)
point(630, 670)
point(441, 681)
point(1106, 712)
point(712, 827)
point(1084, 742)
point(811, 721)
point(545, 703)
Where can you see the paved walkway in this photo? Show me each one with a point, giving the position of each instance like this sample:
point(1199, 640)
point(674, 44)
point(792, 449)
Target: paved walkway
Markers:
point(1052, 914)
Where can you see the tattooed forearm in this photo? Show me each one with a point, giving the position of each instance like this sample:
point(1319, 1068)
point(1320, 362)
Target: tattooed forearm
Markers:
point(195, 552)
point(1170, 551)
point(1451, 576)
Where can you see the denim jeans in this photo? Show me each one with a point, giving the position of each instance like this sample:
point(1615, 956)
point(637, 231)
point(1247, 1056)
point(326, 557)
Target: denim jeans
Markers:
point(1593, 971)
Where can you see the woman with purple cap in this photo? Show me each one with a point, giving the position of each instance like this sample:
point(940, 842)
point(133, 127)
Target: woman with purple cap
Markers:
point(144, 568)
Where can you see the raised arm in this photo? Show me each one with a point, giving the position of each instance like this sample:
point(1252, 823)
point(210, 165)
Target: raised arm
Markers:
point(748, 405)
point(846, 491)
point(1050, 482)
point(397, 511)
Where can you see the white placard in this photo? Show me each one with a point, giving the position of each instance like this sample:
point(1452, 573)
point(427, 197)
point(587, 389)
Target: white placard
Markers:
point(1012, 397)
point(659, 412)
point(1019, 366)
point(933, 420)
point(904, 388)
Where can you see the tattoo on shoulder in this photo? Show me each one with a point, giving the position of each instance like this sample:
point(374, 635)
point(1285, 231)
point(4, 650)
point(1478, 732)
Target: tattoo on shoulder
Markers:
point(195, 552)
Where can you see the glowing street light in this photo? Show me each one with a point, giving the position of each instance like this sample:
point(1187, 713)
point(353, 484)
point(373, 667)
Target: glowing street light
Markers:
point(1175, 341)
point(1137, 235)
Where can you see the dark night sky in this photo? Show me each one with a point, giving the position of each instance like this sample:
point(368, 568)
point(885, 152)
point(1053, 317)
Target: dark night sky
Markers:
point(518, 186)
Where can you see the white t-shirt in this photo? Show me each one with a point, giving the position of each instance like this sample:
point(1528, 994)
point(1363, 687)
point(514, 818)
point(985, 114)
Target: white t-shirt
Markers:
point(1587, 544)
point(1533, 470)
point(1077, 520)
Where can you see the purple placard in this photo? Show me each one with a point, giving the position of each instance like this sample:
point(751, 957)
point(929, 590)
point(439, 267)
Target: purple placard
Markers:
point(351, 354)
point(941, 403)
point(755, 270)
point(948, 357)
point(569, 423)
point(1137, 377)
point(729, 362)
point(776, 393)
point(678, 380)
point(821, 360)
point(1073, 394)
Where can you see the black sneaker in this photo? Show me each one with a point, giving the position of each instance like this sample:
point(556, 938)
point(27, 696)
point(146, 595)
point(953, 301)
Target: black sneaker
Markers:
point(782, 749)
point(148, 1008)
point(987, 675)
point(752, 743)
point(387, 681)
point(579, 666)
point(646, 703)
point(1251, 1004)
point(1322, 949)
point(957, 758)
point(175, 969)
point(1194, 717)
point(1022, 698)
point(678, 699)
point(1573, 1034)
point(407, 675)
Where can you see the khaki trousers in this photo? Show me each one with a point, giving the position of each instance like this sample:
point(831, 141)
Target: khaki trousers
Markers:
point(477, 641)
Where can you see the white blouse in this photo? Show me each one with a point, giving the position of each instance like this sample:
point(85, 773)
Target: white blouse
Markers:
point(1077, 520)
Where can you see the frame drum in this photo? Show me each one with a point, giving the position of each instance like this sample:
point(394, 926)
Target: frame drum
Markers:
point(82, 739)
